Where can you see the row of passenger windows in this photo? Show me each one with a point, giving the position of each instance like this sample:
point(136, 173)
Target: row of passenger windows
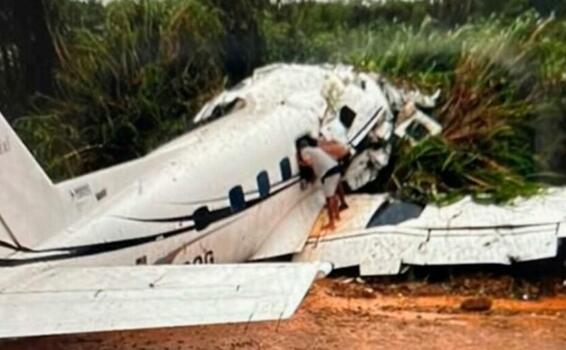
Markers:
point(203, 217)
point(237, 195)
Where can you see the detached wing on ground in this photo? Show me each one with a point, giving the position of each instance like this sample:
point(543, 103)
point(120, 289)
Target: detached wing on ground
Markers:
point(35, 301)
point(382, 236)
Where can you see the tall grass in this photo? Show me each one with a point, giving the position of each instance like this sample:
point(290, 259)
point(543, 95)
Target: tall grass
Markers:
point(497, 76)
point(133, 73)
point(126, 84)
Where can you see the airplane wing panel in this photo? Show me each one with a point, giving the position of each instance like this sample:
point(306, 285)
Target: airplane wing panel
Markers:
point(460, 234)
point(386, 250)
point(78, 300)
point(546, 207)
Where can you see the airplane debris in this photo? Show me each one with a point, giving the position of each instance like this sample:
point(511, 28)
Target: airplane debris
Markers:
point(229, 192)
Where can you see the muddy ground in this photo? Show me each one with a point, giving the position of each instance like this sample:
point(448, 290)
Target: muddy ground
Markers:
point(345, 313)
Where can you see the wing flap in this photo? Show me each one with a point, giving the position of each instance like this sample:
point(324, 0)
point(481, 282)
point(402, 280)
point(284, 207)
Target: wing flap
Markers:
point(78, 300)
point(384, 250)
point(462, 233)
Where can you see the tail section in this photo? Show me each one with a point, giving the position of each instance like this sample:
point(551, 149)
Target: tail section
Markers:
point(30, 208)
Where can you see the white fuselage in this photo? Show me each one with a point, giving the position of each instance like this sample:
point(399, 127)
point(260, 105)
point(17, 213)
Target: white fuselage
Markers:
point(216, 194)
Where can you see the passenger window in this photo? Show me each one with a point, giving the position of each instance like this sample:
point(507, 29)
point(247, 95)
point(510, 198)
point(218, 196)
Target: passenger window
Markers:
point(285, 166)
point(237, 199)
point(263, 184)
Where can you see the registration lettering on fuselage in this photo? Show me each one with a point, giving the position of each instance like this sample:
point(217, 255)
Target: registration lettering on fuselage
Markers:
point(206, 258)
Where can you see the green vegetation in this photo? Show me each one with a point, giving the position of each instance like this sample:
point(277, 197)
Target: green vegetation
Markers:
point(126, 83)
point(131, 75)
point(499, 77)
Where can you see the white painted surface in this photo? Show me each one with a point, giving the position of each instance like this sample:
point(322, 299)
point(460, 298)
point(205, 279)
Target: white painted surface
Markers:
point(146, 199)
point(158, 194)
point(75, 300)
point(288, 236)
point(282, 103)
point(462, 233)
point(30, 208)
point(547, 207)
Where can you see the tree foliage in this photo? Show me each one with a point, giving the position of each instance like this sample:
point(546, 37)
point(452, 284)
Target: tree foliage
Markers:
point(23, 35)
point(501, 84)
point(130, 75)
point(128, 81)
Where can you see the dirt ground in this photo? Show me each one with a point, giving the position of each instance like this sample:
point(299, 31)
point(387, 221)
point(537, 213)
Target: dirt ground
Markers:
point(345, 313)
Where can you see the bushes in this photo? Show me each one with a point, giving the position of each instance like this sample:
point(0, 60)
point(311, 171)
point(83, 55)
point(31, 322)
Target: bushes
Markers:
point(499, 78)
point(132, 74)
point(127, 84)
point(23, 34)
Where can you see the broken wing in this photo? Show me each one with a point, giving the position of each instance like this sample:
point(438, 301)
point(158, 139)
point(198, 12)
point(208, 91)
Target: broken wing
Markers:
point(383, 236)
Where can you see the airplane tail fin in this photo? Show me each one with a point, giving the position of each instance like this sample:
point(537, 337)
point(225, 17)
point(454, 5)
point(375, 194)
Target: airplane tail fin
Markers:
point(31, 209)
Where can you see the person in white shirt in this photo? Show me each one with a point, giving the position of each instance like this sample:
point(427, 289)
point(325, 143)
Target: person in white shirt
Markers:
point(341, 154)
point(327, 170)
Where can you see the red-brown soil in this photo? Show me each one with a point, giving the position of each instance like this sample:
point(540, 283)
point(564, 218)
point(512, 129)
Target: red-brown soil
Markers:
point(375, 315)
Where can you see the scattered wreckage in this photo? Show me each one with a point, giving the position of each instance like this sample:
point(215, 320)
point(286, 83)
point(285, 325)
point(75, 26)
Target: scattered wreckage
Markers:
point(382, 235)
point(229, 192)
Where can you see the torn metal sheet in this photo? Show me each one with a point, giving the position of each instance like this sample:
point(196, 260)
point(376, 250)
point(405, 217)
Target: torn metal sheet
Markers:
point(230, 191)
point(460, 234)
point(547, 207)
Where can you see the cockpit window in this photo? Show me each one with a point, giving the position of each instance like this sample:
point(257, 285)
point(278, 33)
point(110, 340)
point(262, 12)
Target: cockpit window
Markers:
point(347, 116)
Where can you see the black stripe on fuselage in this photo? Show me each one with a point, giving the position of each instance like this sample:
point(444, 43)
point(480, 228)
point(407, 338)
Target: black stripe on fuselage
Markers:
point(86, 250)
point(226, 198)
point(216, 214)
point(250, 203)
point(211, 217)
point(98, 248)
point(8, 230)
point(10, 246)
point(351, 141)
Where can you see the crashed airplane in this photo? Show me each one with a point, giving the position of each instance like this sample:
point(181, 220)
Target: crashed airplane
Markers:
point(229, 192)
